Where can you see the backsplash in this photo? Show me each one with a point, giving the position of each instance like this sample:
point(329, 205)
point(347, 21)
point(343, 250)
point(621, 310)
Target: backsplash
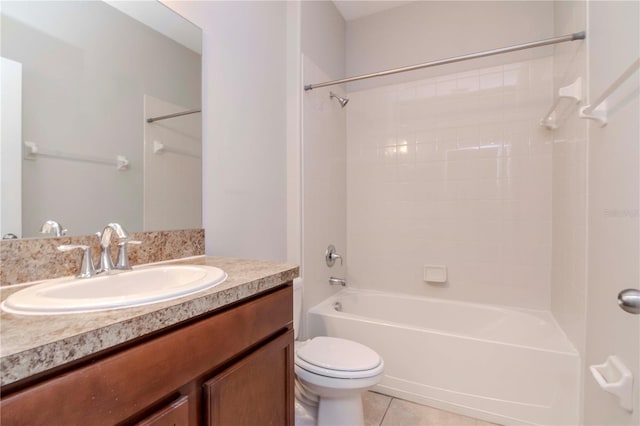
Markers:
point(35, 259)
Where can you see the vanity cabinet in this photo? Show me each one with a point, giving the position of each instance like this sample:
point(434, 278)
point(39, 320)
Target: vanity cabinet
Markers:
point(232, 367)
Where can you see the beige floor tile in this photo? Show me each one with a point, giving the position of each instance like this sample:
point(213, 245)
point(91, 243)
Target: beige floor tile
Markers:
point(374, 406)
point(404, 413)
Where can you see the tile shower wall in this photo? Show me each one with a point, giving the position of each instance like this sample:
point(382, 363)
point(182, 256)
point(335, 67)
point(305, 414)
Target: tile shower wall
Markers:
point(453, 170)
point(568, 265)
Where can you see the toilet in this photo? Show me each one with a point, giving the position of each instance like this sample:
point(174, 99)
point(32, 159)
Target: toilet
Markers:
point(331, 376)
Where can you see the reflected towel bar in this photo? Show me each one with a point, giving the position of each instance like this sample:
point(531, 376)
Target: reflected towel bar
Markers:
point(32, 151)
point(160, 148)
point(177, 114)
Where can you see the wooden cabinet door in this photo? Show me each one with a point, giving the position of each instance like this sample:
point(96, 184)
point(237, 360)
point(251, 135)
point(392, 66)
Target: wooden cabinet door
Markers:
point(257, 390)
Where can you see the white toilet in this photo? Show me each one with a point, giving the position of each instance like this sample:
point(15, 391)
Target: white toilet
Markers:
point(331, 375)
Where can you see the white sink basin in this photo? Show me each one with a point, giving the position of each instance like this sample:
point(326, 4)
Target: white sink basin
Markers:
point(121, 290)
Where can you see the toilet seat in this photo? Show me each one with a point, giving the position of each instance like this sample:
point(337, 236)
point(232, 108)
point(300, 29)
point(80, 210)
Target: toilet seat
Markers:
point(338, 358)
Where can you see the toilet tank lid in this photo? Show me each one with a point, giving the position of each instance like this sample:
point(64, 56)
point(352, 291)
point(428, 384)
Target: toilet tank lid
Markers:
point(338, 354)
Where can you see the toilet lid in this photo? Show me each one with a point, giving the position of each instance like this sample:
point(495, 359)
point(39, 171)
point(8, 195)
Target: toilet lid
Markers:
point(333, 353)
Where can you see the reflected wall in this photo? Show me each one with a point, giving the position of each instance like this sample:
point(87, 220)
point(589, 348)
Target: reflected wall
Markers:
point(86, 68)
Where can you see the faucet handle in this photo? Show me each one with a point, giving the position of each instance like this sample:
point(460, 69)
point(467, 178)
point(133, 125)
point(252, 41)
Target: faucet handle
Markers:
point(87, 270)
point(330, 256)
point(123, 257)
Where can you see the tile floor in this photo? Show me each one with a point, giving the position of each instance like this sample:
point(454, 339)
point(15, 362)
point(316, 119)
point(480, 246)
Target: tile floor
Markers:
point(383, 410)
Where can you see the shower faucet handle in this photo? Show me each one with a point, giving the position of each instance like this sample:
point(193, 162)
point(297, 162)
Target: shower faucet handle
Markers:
point(331, 255)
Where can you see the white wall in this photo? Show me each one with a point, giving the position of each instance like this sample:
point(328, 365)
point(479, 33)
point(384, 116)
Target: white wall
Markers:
point(595, 199)
point(323, 149)
point(244, 126)
point(323, 37)
point(452, 169)
point(11, 147)
point(613, 206)
point(570, 146)
point(63, 47)
point(569, 213)
point(294, 133)
point(429, 30)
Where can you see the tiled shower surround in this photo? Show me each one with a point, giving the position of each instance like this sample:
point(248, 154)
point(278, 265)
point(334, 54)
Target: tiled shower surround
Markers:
point(453, 170)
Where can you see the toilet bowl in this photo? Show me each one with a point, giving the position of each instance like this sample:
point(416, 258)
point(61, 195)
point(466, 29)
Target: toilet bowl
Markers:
point(331, 375)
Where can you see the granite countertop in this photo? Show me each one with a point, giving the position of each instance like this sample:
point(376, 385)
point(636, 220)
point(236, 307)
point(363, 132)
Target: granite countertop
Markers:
point(33, 344)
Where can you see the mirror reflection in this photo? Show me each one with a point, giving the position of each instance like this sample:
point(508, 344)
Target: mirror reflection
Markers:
point(79, 81)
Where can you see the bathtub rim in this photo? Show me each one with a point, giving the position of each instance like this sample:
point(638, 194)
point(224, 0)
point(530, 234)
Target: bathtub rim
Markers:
point(325, 307)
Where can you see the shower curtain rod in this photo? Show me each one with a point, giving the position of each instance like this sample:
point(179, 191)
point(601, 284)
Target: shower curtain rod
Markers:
point(569, 37)
point(177, 114)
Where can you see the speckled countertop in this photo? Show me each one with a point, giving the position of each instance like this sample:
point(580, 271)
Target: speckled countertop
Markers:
point(33, 344)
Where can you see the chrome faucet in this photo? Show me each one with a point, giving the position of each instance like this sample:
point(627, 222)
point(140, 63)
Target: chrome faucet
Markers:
point(88, 270)
point(52, 227)
point(106, 262)
point(330, 256)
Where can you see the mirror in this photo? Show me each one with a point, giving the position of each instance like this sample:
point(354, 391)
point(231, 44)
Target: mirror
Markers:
point(79, 81)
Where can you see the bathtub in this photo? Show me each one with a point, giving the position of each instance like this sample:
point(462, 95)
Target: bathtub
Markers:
point(499, 364)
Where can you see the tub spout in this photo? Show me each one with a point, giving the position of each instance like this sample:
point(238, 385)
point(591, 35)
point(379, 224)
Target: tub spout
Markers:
point(337, 281)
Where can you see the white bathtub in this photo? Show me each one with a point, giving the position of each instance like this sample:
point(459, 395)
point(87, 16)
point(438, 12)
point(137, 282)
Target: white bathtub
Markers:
point(506, 365)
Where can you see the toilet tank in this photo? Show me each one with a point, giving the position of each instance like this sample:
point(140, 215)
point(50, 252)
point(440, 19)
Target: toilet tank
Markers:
point(297, 305)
